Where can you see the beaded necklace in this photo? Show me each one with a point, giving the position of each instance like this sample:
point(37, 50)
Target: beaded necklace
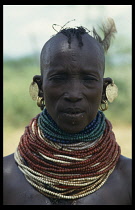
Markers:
point(52, 132)
point(64, 170)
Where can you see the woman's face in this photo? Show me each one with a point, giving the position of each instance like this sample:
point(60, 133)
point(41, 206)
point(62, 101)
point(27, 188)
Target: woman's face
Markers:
point(72, 81)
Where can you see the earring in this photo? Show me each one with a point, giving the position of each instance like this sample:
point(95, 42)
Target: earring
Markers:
point(34, 93)
point(105, 105)
point(34, 90)
point(40, 102)
point(111, 92)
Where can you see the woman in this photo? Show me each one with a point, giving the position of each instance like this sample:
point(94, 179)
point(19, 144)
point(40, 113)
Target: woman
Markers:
point(68, 154)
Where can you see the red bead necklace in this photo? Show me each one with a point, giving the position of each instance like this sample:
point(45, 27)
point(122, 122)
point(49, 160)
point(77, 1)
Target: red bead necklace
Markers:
point(59, 170)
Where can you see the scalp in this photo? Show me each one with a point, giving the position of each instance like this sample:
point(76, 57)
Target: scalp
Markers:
point(60, 41)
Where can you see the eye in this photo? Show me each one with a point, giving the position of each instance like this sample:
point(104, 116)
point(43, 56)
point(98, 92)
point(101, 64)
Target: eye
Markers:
point(58, 78)
point(89, 78)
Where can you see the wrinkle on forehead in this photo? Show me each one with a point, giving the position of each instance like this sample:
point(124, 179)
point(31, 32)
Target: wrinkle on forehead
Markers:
point(91, 43)
point(49, 49)
point(59, 44)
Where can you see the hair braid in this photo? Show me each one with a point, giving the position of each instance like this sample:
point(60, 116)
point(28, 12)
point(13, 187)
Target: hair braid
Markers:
point(108, 29)
point(74, 32)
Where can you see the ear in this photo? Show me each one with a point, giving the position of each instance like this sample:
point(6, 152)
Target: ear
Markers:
point(106, 81)
point(38, 80)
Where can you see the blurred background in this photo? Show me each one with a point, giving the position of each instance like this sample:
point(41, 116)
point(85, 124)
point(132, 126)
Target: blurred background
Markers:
point(27, 28)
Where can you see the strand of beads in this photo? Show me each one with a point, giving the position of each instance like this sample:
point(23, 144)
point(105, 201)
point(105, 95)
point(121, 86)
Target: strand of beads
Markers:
point(52, 132)
point(65, 173)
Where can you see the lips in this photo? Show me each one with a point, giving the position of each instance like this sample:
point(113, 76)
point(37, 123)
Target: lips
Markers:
point(73, 111)
point(73, 115)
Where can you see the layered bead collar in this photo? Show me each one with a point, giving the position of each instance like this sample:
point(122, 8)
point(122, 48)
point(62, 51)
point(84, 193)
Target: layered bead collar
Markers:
point(66, 166)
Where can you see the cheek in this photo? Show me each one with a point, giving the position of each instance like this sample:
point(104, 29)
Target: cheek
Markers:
point(51, 95)
point(98, 95)
point(94, 95)
point(94, 101)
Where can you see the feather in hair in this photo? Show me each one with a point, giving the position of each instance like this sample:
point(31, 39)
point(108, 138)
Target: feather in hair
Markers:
point(109, 29)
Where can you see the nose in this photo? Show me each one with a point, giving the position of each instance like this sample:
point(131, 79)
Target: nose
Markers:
point(72, 97)
point(73, 93)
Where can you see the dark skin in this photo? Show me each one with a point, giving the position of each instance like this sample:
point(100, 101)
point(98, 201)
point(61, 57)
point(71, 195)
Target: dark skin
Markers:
point(73, 87)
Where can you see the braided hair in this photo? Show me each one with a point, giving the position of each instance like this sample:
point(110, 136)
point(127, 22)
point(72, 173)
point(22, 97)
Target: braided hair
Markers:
point(78, 32)
point(108, 29)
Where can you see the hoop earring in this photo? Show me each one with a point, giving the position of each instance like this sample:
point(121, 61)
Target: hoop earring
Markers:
point(40, 102)
point(105, 103)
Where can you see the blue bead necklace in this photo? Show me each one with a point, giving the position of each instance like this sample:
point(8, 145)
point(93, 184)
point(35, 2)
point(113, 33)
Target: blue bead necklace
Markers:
point(52, 132)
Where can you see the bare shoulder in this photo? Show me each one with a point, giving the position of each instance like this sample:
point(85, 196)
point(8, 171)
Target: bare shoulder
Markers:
point(125, 165)
point(12, 177)
point(124, 168)
point(9, 171)
point(7, 176)
point(8, 165)
point(16, 189)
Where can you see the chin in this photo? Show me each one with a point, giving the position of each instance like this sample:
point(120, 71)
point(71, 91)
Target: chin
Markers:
point(72, 125)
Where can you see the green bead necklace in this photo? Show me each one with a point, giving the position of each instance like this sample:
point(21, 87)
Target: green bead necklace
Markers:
point(52, 132)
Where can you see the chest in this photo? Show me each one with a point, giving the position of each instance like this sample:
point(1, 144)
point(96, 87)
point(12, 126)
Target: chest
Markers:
point(113, 192)
point(109, 194)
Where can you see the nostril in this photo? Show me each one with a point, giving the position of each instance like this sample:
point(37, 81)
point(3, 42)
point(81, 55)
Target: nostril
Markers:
point(72, 97)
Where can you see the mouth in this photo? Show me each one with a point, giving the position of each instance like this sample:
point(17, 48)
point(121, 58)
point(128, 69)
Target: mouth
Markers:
point(72, 119)
point(73, 111)
point(74, 115)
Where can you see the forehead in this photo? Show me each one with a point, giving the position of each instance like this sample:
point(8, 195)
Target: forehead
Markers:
point(56, 52)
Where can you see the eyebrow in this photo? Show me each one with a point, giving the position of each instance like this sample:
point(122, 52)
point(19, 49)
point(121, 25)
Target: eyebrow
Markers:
point(54, 71)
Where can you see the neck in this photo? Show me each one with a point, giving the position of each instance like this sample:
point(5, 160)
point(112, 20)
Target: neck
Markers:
point(51, 131)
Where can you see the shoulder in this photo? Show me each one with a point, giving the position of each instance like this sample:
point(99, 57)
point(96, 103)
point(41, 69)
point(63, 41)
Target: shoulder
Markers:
point(124, 168)
point(8, 164)
point(9, 168)
point(8, 158)
point(16, 189)
point(125, 165)
point(12, 178)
